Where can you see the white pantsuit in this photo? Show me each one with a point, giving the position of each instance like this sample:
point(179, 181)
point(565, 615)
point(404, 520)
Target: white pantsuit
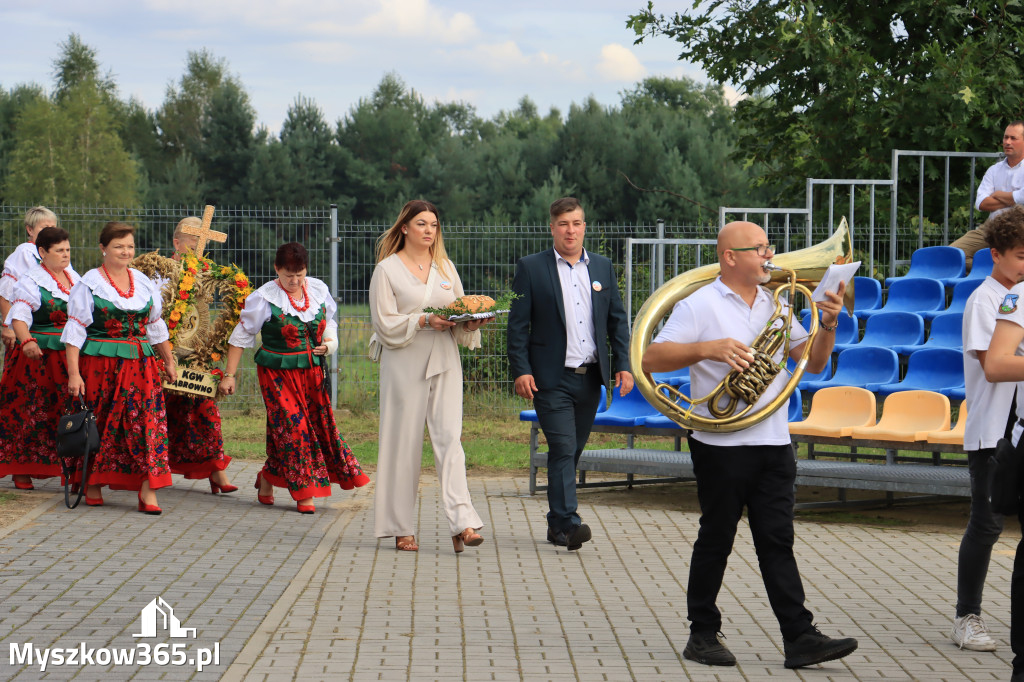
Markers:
point(420, 383)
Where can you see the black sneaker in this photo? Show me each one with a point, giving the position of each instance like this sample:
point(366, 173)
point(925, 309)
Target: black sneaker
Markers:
point(706, 647)
point(813, 647)
point(571, 539)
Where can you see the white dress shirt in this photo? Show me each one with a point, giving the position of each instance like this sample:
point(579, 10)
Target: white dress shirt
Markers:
point(1001, 177)
point(580, 345)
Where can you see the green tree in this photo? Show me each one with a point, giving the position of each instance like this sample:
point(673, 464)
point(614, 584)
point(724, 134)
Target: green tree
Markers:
point(384, 139)
point(184, 110)
point(12, 103)
point(77, 64)
point(311, 153)
point(68, 152)
point(834, 86)
point(228, 144)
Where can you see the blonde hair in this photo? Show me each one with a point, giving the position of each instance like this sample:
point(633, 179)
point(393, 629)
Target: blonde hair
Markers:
point(191, 221)
point(37, 213)
point(393, 239)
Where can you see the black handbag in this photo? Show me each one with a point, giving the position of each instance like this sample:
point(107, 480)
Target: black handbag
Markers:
point(1004, 478)
point(78, 438)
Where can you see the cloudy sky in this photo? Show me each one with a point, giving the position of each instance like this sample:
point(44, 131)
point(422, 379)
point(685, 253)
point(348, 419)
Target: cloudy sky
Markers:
point(486, 53)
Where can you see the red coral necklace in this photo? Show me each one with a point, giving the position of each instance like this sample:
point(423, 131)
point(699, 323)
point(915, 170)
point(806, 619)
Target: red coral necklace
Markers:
point(66, 290)
point(131, 283)
point(305, 297)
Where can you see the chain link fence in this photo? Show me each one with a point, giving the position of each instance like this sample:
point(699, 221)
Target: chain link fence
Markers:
point(485, 256)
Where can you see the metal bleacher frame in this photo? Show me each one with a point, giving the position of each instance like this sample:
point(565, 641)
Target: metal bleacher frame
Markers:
point(889, 473)
point(893, 474)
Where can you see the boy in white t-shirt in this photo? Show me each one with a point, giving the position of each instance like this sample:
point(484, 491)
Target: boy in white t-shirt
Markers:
point(993, 327)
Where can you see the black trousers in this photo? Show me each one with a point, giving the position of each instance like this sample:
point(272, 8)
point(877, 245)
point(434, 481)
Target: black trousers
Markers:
point(983, 529)
point(761, 479)
point(566, 414)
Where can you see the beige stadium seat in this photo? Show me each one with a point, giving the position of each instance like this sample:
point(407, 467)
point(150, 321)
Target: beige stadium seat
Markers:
point(908, 416)
point(955, 436)
point(835, 411)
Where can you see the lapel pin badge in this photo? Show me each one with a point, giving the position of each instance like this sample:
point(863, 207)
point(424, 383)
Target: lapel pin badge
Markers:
point(596, 285)
point(446, 285)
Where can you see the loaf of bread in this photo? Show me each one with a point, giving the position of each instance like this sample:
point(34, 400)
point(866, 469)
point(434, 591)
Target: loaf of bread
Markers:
point(476, 304)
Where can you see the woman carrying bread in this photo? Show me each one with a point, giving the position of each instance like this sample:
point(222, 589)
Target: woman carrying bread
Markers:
point(420, 378)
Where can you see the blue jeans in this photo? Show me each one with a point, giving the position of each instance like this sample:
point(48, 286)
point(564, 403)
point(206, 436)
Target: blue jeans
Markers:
point(983, 529)
point(566, 414)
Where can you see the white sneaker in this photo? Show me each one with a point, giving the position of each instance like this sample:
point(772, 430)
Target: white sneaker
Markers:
point(971, 633)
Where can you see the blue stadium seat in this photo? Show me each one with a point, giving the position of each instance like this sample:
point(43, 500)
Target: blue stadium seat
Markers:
point(912, 295)
point(847, 331)
point(961, 292)
point(796, 406)
point(889, 329)
point(980, 268)
point(807, 377)
point(627, 410)
point(660, 421)
point(531, 415)
point(673, 378)
point(944, 263)
point(864, 367)
point(848, 328)
point(867, 294)
point(946, 332)
point(929, 369)
point(957, 393)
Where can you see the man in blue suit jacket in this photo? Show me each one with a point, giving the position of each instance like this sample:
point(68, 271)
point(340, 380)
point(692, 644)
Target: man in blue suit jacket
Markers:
point(567, 313)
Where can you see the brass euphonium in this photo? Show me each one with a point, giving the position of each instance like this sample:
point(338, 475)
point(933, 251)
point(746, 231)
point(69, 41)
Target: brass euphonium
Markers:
point(792, 272)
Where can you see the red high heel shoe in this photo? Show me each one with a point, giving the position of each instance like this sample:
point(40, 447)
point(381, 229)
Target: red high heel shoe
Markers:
point(22, 484)
point(305, 508)
point(226, 488)
point(148, 508)
point(264, 499)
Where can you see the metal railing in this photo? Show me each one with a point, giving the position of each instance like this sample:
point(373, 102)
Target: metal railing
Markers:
point(342, 254)
point(862, 210)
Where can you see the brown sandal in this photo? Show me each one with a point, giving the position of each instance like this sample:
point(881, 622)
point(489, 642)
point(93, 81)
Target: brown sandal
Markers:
point(467, 537)
point(406, 543)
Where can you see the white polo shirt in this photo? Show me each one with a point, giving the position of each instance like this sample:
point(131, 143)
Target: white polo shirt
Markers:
point(988, 404)
point(717, 312)
point(1001, 177)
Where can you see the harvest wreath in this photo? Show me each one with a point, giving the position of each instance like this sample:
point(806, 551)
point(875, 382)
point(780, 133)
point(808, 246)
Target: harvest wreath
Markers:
point(189, 286)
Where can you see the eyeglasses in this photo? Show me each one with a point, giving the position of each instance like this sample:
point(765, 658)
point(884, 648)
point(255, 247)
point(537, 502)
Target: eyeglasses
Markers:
point(762, 249)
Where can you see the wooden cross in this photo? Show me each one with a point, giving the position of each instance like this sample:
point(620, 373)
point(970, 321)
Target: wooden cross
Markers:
point(204, 232)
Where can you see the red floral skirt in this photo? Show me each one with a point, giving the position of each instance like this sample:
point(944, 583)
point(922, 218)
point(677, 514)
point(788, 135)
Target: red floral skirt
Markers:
point(193, 432)
point(305, 452)
point(33, 394)
point(129, 405)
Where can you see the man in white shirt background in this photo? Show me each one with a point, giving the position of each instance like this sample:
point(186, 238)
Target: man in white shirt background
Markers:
point(1001, 188)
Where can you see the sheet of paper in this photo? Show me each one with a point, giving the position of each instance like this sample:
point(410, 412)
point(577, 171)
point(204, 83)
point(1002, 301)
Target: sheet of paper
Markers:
point(833, 276)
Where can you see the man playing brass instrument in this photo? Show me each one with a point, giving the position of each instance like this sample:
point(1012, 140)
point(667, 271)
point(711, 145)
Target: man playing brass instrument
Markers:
point(755, 467)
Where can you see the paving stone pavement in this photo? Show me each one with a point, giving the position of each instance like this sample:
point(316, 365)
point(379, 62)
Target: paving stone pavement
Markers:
point(284, 596)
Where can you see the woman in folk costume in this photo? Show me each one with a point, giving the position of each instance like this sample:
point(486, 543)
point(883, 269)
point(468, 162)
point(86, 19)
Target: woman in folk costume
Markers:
point(113, 327)
point(33, 389)
point(193, 421)
point(295, 315)
point(24, 258)
point(420, 378)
